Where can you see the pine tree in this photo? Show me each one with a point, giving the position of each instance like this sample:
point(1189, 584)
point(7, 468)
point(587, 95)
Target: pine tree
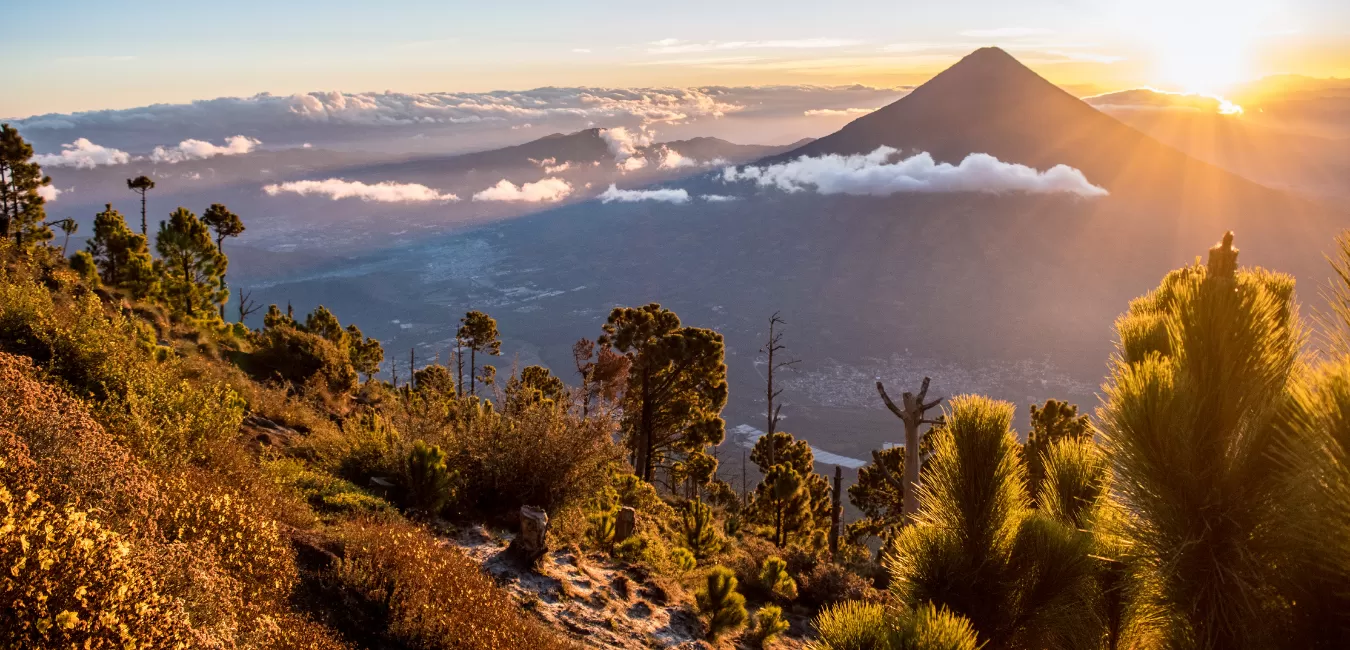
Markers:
point(366, 353)
point(977, 548)
point(478, 332)
point(677, 384)
point(122, 256)
point(1196, 425)
point(881, 501)
point(774, 578)
point(1054, 421)
point(191, 264)
point(225, 224)
point(768, 625)
point(22, 211)
point(140, 185)
point(698, 529)
point(803, 512)
point(719, 601)
point(429, 480)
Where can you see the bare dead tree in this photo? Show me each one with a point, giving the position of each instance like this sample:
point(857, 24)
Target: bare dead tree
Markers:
point(772, 346)
point(913, 414)
point(246, 304)
point(836, 512)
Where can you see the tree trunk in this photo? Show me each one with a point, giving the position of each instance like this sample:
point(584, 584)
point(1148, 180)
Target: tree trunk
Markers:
point(910, 504)
point(473, 370)
point(643, 442)
point(836, 510)
point(144, 230)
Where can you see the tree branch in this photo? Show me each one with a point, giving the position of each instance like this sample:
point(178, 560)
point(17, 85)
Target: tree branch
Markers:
point(885, 471)
point(889, 404)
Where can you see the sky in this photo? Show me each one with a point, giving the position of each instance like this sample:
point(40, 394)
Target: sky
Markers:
point(65, 55)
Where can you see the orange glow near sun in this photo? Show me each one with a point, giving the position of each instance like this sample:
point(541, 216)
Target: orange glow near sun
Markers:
point(1200, 45)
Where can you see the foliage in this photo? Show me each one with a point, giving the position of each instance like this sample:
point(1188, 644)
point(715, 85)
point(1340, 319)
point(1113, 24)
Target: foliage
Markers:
point(534, 384)
point(683, 560)
point(830, 583)
point(122, 256)
point(790, 511)
point(1074, 481)
point(774, 578)
point(698, 529)
point(301, 359)
point(869, 626)
point(852, 625)
point(70, 582)
point(478, 332)
point(719, 601)
point(767, 625)
point(432, 595)
point(428, 479)
point(879, 500)
point(1050, 423)
point(191, 265)
point(676, 384)
point(977, 548)
point(21, 206)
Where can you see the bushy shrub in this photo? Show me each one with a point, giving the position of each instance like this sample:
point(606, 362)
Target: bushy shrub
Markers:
point(433, 596)
point(245, 541)
point(851, 625)
point(302, 359)
point(70, 582)
point(829, 583)
point(767, 625)
point(720, 603)
point(324, 492)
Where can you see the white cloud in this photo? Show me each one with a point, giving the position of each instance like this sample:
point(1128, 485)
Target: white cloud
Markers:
point(581, 50)
point(874, 174)
point(385, 192)
point(549, 189)
point(83, 154)
point(836, 112)
point(717, 198)
point(1154, 99)
point(551, 165)
point(198, 149)
point(623, 142)
point(632, 196)
point(632, 164)
point(672, 159)
point(49, 193)
point(1007, 32)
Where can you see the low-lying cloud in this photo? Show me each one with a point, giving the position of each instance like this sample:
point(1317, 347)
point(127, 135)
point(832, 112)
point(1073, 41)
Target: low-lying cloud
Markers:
point(547, 190)
point(1154, 99)
point(875, 174)
point(198, 149)
point(614, 194)
point(83, 154)
point(385, 192)
point(623, 143)
point(49, 193)
point(837, 112)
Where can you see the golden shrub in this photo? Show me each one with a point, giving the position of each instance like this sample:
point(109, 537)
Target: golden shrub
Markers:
point(244, 539)
point(66, 581)
point(435, 596)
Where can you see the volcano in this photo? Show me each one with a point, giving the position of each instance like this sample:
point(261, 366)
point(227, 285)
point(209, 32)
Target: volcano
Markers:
point(991, 103)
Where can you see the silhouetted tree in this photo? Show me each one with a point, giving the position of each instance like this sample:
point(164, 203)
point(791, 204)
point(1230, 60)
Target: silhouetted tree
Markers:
point(795, 454)
point(772, 347)
point(191, 264)
point(21, 207)
point(478, 332)
point(141, 185)
point(603, 373)
point(225, 224)
point(246, 305)
point(69, 227)
point(677, 384)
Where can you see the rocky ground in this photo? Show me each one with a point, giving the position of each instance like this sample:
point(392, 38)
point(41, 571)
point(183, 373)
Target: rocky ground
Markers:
point(601, 603)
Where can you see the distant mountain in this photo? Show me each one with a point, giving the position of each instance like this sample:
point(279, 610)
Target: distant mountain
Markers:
point(990, 103)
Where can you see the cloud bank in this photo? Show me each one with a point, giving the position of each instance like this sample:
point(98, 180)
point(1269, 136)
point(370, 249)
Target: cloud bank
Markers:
point(83, 154)
point(875, 175)
point(623, 143)
point(1154, 99)
point(836, 112)
point(547, 190)
point(614, 194)
point(385, 192)
point(198, 149)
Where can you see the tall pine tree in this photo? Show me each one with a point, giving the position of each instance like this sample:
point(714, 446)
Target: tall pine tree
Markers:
point(191, 265)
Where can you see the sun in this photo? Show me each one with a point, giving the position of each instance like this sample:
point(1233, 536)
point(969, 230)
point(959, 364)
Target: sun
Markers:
point(1200, 46)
